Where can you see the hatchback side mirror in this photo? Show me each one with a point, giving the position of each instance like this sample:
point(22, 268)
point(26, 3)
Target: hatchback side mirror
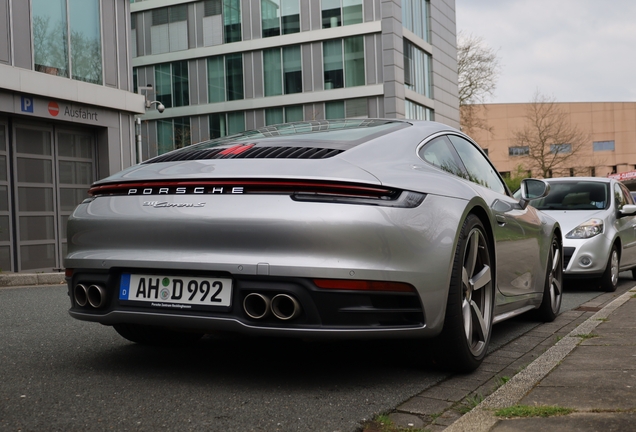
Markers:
point(532, 189)
point(627, 210)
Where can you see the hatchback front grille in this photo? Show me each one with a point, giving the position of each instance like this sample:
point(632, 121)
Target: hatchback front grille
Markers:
point(567, 256)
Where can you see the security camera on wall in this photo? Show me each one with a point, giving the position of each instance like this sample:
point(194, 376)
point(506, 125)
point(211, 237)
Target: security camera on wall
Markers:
point(161, 107)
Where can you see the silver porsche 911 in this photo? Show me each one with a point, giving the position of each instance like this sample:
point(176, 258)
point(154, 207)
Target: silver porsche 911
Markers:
point(337, 229)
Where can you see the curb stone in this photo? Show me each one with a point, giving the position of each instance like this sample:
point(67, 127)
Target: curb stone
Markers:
point(27, 279)
point(482, 418)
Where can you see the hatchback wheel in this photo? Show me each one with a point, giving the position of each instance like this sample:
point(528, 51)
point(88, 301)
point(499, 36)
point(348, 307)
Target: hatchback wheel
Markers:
point(609, 280)
point(553, 288)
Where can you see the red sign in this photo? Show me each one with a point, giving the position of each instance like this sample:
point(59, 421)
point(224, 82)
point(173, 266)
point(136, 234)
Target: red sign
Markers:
point(54, 109)
point(629, 175)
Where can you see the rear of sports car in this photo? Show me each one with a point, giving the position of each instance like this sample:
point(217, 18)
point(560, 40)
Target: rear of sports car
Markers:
point(231, 238)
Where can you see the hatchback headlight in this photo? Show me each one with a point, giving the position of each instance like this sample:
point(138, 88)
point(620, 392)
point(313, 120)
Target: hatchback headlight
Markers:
point(586, 230)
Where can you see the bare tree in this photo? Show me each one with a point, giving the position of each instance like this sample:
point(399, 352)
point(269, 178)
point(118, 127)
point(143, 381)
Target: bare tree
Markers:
point(548, 140)
point(478, 69)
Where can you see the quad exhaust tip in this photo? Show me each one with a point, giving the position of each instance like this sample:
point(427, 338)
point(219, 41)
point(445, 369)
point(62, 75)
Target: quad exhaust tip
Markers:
point(256, 306)
point(93, 295)
point(282, 306)
point(285, 307)
point(81, 295)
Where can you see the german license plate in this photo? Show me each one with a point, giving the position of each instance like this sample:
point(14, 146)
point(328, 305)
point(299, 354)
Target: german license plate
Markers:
point(178, 292)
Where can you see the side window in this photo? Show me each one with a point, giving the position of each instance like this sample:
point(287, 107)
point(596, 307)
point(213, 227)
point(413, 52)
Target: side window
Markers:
point(619, 197)
point(439, 152)
point(627, 194)
point(479, 169)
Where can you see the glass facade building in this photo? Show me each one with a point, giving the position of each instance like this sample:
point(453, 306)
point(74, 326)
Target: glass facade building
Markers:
point(224, 66)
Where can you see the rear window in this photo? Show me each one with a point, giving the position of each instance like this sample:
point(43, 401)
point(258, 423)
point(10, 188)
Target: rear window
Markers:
point(308, 139)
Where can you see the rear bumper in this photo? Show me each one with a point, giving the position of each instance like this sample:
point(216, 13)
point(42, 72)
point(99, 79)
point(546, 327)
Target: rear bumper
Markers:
point(323, 312)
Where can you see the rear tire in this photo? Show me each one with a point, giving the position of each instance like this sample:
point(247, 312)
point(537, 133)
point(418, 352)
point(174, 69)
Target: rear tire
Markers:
point(157, 336)
point(609, 280)
point(464, 340)
point(553, 288)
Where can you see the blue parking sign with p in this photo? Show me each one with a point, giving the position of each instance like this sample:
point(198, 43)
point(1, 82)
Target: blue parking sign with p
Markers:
point(27, 104)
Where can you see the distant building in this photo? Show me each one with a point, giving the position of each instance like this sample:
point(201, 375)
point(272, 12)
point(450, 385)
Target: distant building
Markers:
point(612, 137)
point(66, 118)
point(224, 66)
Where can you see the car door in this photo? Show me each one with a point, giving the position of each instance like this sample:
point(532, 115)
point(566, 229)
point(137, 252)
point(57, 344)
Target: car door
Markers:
point(625, 225)
point(517, 231)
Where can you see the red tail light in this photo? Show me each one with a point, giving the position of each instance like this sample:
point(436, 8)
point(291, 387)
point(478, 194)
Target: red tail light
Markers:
point(362, 285)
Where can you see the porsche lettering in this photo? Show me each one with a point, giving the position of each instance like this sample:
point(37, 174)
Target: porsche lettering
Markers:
point(199, 190)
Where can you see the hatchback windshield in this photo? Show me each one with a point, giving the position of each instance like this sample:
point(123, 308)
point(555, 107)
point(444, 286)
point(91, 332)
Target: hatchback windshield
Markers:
point(573, 195)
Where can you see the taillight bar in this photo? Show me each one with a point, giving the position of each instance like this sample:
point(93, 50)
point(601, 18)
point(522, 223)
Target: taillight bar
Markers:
point(245, 186)
point(305, 191)
point(364, 285)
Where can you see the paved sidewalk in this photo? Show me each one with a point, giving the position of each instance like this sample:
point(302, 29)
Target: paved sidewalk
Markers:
point(591, 371)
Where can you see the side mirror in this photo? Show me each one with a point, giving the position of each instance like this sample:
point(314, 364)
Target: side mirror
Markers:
point(627, 210)
point(532, 189)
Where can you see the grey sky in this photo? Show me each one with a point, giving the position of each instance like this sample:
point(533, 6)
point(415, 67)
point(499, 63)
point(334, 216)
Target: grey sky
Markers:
point(572, 50)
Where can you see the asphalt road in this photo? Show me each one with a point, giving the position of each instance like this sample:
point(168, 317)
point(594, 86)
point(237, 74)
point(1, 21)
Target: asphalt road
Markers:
point(57, 373)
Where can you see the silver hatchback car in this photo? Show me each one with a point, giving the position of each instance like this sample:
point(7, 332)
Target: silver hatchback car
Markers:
point(598, 217)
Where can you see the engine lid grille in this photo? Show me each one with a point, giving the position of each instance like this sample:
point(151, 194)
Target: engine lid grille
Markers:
point(248, 151)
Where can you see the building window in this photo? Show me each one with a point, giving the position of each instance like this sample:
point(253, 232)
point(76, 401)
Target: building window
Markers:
point(283, 114)
point(416, 17)
point(603, 145)
point(416, 111)
point(592, 171)
point(282, 70)
point(232, 20)
point(212, 22)
point(571, 172)
point(334, 110)
point(133, 35)
point(53, 21)
point(280, 14)
point(417, 70)
point(560, 148)
point(173, 134)
point(347, 71)
point(336, 13)
point(356, 108)
point(169, 30)
point(224, 124)
point(171, 84)
point(351, 108)
point(225, 78)
point(519, 151)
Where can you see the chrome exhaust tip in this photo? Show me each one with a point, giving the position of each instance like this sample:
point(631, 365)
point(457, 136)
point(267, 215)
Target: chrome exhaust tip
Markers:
point(96, 296)
point(80, 293)
point(256, 305)
point(285, 307)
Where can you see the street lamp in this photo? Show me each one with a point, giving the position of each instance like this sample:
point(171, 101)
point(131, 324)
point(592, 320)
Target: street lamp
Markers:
point(160, 107)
